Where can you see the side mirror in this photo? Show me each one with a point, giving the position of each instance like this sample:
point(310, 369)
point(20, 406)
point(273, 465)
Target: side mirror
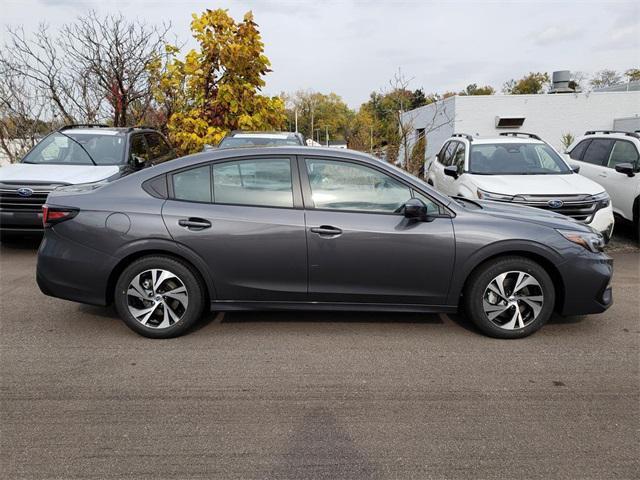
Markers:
point(137, 161)
point(625, 168)
point(415, 209)
point(575, 168)
point(451, 170)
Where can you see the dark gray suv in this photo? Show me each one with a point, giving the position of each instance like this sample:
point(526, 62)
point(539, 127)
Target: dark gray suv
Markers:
point(317, 229)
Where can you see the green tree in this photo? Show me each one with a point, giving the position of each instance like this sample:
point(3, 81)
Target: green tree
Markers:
point(532, 83)
point(216, 87)
point(319, 114)
point(633, 74)
point(474, 89)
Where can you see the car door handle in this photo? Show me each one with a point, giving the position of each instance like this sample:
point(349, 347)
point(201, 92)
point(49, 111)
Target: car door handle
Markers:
point(326, 230)
point(194, 223)
point(602, 174)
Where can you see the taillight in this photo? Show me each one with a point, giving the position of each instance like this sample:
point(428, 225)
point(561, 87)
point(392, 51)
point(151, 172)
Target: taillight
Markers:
point(52, 215)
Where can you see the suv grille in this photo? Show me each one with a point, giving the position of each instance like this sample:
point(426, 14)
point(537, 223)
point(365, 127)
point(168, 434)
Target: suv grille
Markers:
point(12, 201)
point(578, 207)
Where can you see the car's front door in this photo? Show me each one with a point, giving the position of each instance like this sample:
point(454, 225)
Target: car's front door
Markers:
point(244, 217)
point(361, 247)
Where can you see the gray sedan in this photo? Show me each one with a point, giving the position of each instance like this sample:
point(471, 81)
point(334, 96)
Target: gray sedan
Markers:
point(315, 229)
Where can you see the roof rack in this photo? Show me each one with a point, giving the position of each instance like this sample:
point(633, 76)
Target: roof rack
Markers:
point(83, 125)
point(463, 135)
point(515, 134)
point(607, 132)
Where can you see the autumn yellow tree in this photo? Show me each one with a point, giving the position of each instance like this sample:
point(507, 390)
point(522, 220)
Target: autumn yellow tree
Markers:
point(216, 87)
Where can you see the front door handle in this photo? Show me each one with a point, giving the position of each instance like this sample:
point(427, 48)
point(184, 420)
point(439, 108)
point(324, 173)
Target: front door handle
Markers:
point(326, 230)
point(194, 223)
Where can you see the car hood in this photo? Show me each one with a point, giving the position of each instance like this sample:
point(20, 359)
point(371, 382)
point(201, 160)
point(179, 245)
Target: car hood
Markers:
point(530, 214)
point(67, 174)
point(569, 184)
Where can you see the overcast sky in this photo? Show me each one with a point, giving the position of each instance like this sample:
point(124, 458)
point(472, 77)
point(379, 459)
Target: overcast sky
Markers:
point(354, 47)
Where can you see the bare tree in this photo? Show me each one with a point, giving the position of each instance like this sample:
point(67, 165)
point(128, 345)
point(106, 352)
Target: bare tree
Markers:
point(116, 55)
point(21, 116)
point(94, 69)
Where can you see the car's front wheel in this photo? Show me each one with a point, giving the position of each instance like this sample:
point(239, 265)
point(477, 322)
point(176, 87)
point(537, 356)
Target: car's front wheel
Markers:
point(159, 297)
point(509, 297)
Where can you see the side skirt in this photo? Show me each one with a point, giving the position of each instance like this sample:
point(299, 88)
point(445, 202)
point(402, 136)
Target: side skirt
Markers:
point(230, 306)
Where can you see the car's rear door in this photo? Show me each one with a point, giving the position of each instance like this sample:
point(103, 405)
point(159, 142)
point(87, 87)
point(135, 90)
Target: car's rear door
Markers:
point(361, 247)
point(244, 217)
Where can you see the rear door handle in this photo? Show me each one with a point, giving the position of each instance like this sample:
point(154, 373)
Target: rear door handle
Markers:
point(194, 223)
point(326, 230)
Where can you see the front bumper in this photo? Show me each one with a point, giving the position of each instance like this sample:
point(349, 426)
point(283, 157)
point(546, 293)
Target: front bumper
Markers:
point(587, 284)
point(20, 222)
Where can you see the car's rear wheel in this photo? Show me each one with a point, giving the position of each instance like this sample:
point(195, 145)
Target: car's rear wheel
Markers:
point(159, 297)
point(509, 297)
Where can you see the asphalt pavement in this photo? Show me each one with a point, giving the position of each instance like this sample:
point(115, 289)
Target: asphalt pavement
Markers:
point(315, 395)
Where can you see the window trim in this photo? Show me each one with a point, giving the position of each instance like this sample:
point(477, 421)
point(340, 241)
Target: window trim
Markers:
point(295, 180)
point(307, 193)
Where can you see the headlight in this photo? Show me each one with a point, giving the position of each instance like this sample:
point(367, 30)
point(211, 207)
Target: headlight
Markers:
point(498, 197)
point(602, 200)
point(592, 241)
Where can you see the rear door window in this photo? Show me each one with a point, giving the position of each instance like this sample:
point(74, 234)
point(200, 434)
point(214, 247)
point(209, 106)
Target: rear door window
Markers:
point(193, 185)
point(259, 182)
point(597, 152)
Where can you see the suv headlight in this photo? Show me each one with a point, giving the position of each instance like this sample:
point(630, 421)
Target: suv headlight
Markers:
point(497, 197)
point(592, 241)
point(602, 200)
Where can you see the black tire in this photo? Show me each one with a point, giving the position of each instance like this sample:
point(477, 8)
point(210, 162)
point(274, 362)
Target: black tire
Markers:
point(184, 274)
point(478, 284)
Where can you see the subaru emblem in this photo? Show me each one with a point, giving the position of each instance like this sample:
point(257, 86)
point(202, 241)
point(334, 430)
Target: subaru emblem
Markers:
point(25, 192)
point(555, 203)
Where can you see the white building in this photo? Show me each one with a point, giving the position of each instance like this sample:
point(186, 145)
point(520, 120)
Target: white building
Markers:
point(548, 115)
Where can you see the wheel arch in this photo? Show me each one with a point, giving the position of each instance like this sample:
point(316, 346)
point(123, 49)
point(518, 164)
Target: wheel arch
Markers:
point(546, 258)
point(164, 248)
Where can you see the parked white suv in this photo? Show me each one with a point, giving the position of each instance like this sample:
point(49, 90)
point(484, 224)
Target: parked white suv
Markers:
point(612, 159)
point(519, 168)
point(72, 155)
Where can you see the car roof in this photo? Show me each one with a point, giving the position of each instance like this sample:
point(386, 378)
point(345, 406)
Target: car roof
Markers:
point(102, 130)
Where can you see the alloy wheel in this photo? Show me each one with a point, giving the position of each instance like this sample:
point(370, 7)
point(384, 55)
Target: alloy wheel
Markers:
point(513, 300)
point(157, 298)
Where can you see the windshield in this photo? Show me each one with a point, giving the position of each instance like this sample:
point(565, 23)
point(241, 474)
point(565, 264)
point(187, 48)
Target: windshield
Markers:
point(59, 149)
point(515, 159)
point(257, 141)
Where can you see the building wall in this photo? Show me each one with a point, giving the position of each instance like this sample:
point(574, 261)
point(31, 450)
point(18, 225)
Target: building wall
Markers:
point(547, 115)
point(438, 120)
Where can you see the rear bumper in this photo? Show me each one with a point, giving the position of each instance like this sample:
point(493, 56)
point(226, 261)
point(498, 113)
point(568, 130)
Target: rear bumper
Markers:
point(587, 284)
point(72, 271)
